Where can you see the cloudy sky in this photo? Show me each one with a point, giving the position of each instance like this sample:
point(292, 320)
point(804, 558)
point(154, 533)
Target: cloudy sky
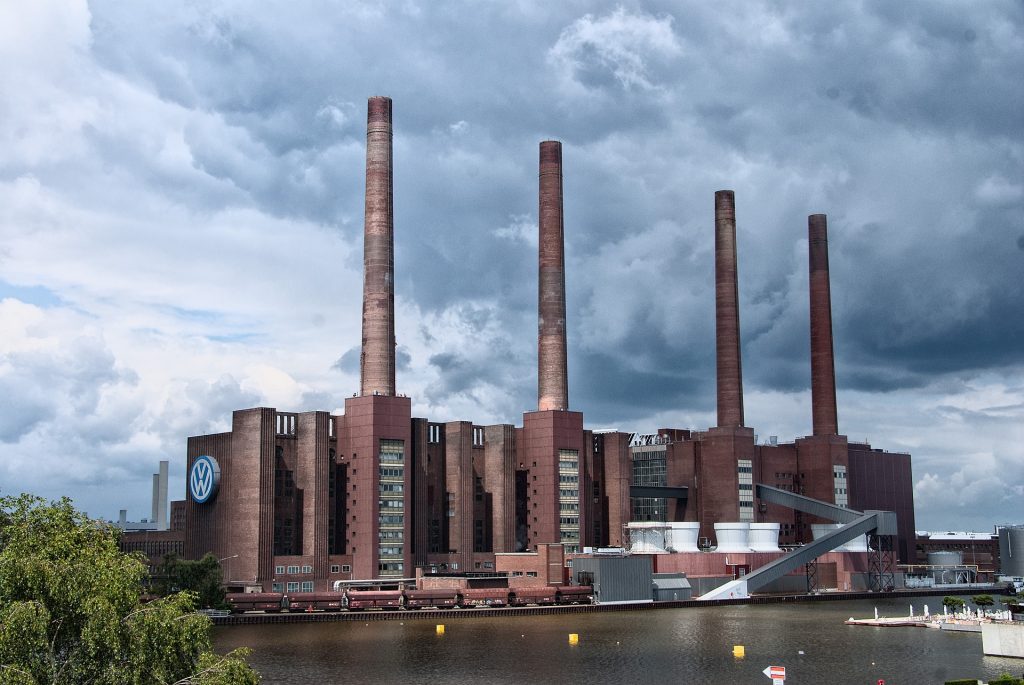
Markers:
point(181, 213)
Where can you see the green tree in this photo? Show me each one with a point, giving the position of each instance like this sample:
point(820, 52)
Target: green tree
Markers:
point(70, 610)
point(983, 600)
point(954, 603)
point(203, 577)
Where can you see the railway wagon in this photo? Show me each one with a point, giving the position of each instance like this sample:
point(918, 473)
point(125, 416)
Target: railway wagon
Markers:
point(575, 594)
point(316, 601)
point(388, 600)
point(485, 597)
point(440, 598)
point(542, 596)
point(270, 602)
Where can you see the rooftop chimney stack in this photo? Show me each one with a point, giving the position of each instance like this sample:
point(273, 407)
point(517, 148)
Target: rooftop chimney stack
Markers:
point(823, 372)
point(727, 313)
point(552, 372)
point(377, 360)
point(159, 516)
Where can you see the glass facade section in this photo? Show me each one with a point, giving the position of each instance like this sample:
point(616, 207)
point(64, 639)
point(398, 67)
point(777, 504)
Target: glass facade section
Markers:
point(745, 477)
point(839, 486)
point(649, 466)
point(391, 503)
point(569, 499)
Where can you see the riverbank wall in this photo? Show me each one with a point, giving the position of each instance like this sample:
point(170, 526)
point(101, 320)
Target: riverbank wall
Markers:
point(441, 615)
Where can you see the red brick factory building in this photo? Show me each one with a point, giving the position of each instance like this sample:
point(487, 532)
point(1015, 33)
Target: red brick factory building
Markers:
point(298, 501)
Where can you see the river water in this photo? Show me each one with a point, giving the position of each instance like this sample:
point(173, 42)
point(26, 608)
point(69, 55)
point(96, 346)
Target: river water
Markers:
point(692, 645)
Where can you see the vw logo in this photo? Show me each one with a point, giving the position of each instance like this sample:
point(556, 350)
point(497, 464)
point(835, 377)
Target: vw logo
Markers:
point(203, 479)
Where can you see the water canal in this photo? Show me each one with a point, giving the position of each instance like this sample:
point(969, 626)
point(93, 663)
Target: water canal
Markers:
point(692, 645)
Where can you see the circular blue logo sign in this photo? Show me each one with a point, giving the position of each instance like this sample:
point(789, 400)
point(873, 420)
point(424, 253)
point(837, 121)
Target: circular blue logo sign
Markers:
point(203, 479)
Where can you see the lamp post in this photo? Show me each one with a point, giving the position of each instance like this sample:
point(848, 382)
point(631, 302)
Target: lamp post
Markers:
point(233, 556)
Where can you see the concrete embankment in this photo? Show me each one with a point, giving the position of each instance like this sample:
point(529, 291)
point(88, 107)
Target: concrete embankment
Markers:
point(507, 612)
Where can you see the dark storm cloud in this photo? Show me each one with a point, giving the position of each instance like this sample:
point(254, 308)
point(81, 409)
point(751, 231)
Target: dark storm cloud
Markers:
point(810, 89)
point(614, 395)
point(900, 121)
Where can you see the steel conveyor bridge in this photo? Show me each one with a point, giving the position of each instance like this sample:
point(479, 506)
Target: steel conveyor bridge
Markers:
point(880, 525)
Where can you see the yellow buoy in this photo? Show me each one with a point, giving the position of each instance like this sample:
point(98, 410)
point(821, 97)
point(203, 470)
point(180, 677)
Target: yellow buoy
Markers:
point(739, 651)
point(440, 629)
point(574, 638)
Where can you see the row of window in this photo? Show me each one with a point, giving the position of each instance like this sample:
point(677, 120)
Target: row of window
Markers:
point(335, 568)
point(305, 586)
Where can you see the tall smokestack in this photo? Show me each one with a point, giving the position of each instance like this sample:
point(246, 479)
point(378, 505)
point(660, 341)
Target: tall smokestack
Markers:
point(552, 374)
point(823, 371)
point(377, 361)
point(727, 313)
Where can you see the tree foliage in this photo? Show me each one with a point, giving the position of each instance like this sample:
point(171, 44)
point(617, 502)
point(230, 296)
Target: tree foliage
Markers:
point(954, 603)
point(203, 577)
point(983, 600)
point(70, 610)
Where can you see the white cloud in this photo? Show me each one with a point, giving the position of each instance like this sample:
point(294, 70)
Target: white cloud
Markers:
point(181, 198)
point(996, 190)
point(620, 45)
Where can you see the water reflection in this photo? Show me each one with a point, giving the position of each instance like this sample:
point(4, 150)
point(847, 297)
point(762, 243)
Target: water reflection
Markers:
point(678, 645)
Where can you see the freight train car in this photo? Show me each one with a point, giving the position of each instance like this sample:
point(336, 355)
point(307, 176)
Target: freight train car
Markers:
point(542, 596)
point(389, 600)
point(574, 594)
point(439, 598)
point(491, 597)
point(254, 601)
point(316, 601)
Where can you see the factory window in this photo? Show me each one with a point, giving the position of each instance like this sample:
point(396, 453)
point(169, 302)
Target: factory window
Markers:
point(839, 485)
point(478, 436)
point(307, 586)
point(307, 569)
point(335, 568)
point(346, 568)
point(531, 574)
point(434, 433)
point(745, 487)
point(649, 469)
point(279, 569)
point(277, 587)
point(293, 587)
point(293, 569)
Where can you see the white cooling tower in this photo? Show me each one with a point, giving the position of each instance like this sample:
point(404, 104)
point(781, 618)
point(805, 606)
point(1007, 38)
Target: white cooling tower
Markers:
point(682, 537)
point(764, 537)
point(733, 537)
point(647, 537)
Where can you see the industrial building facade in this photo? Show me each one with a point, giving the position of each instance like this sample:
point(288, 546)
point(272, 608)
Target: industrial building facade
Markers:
point(299, 501)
